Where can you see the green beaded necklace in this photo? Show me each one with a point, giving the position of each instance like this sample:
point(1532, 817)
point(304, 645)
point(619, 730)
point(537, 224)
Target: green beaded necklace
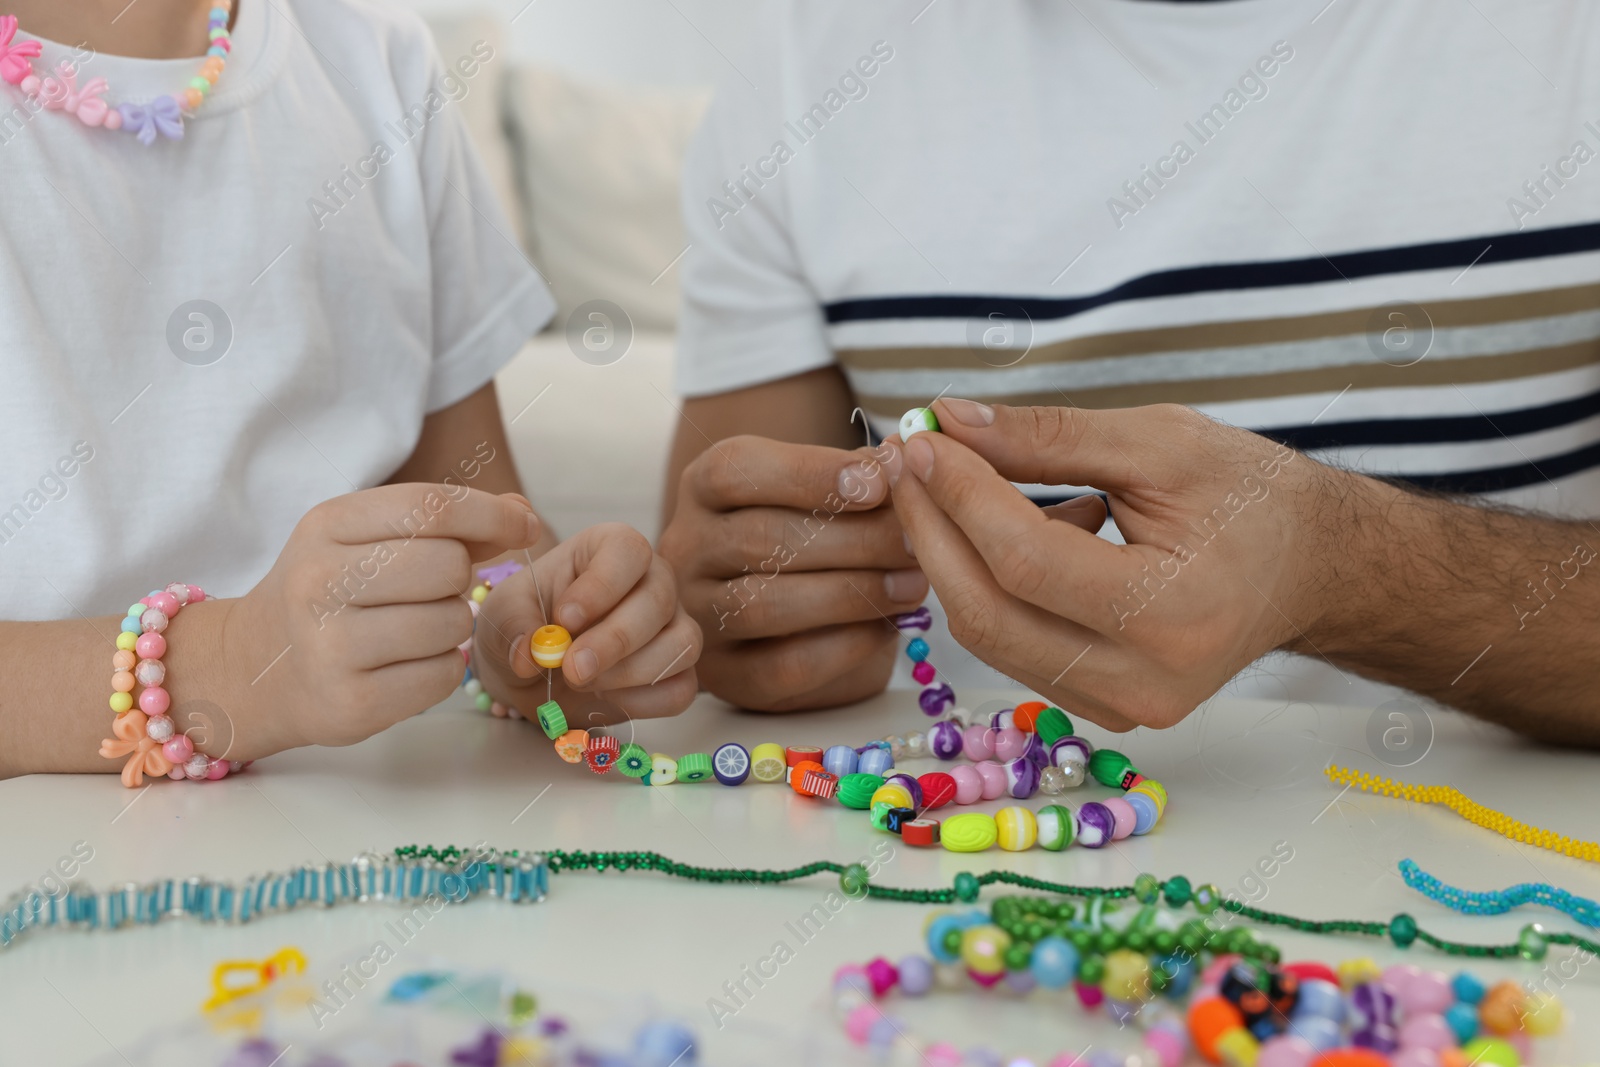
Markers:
point(1177, 891)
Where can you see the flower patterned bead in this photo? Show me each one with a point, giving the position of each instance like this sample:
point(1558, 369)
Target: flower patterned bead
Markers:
point(602, 752)
point(1057, 826)
point(1016, 829)
point(570, 745)
point(945, 740)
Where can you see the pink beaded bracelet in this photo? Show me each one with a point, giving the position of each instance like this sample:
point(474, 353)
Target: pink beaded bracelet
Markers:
point(146, 734)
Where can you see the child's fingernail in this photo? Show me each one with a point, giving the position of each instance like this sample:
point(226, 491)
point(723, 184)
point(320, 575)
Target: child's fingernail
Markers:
point(533, 528)
point(572, 616)
point(910, 548)
point(905, 587)
point(585, 664)
point(969, 412)
point(518, 644)
point(919, 457)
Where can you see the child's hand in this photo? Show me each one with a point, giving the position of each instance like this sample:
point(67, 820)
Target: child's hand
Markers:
point(633, 646)
point(363, 611)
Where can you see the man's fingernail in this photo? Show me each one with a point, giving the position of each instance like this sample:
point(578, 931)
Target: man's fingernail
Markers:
point(969, 412)
point(533, 528)
point(905, 587)
point(573, 617)
point(910, 548)
point(585, 664)
point(919, 457)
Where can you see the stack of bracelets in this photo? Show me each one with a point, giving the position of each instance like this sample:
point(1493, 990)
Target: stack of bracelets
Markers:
point(146, 734)
point(1019, 752)
point(1244, 1008)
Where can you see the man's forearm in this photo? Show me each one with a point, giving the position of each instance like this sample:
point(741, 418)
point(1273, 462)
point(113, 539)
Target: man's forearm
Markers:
point(1488, 610)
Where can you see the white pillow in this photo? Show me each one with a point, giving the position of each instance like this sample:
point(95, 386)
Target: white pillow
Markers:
point(463, 37)
point(599, 168)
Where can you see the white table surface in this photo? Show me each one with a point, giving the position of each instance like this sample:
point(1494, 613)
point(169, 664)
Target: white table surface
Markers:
point(1243, 777)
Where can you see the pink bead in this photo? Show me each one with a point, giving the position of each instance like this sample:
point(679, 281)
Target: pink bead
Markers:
point(30, 84)
point(1286, 1051)
point(113, 120)
point(150, 672)
point(986, 981)
point(165, 603)
point(882, 974)
point(1123, 817)
point(976, 743)
point(1427, 1031)
point(845, 970)
point(218, 770)
point(179, 592)
point(178, 750)
point(969, 783)
point(150, 646)
point(497, 709)
point(994, 779)
point(176, 774)
point(196, 594)
point(1426, 993)
point(154, 700)
point(1523, 1043)
point(1009, 743)
point(153, 621)
point(1090, 996)
point(1169, 1047)
point(1067, 1059)
point(942, 1054)
point(1408, 1057)
point(923, 672)
point(858, 1024)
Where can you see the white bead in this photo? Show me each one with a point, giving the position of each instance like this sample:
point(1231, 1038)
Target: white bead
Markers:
point(960, 716)
point(916, 745)
point(153, 621)
point(150, 672)
point(1075, 774)
point(179, 591)
point(197, 766)
point(1052, 781)
point(473, 687)
point(897, 745)
point(916, 421)
point(159, 729)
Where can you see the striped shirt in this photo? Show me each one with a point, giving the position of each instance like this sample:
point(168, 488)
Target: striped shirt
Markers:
point(1370, 230)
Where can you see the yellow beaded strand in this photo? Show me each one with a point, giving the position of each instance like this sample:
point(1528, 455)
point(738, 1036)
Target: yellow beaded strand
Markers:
point(1468, 809)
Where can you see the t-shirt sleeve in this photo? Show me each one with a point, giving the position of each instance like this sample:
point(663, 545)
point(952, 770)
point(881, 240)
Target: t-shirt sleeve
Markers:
point(488, 299)
point(748, 313)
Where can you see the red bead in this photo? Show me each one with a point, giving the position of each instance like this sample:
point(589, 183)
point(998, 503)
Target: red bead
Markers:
point(816, 782)
point(601, 753)
point(923, 672)
point(1308, 969)
point(938, 789)
point(924, 833)
point(800, 754)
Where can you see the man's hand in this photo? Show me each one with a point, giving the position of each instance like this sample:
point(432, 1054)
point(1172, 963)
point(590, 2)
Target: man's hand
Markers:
point(1214, 573)
point(790, 564)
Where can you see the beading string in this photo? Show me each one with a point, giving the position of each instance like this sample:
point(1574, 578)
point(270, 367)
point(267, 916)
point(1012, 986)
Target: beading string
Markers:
point(1469, 809)
point(1500, 901)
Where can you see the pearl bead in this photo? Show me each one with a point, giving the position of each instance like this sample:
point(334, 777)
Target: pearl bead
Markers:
point(916, 745)
point(159, 729)
point(153, 621)
point(196, 766)
point(1074, 773)
point(179, 591)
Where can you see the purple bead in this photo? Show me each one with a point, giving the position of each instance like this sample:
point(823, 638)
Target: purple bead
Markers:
point(911, 785)
point(944, 739)
point(1070, 750)
point(1373, 1021)
point(1034, 751)
point(1095, 823)
point(1022, 778)
point(1104, 1057)
point(916, 976)
point(919, 621)
point(1002, 720)
point(936, 698)
point(875, 761)
point(1020, 982)
point(983, 1056)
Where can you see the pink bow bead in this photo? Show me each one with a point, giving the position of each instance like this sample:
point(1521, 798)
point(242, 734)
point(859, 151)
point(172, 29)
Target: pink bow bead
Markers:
point(63, 94)
point(144, 754)
point(14, 58)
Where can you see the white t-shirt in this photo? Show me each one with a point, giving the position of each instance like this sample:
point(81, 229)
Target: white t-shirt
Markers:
point(1110, 203)
point(349, 290)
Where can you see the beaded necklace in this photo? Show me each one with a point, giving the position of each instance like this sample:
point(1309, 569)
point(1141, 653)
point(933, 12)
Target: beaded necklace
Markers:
point(59, 90)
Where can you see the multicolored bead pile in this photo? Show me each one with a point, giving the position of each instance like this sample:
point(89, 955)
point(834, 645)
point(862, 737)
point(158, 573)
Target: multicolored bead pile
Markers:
point(1247, 1009)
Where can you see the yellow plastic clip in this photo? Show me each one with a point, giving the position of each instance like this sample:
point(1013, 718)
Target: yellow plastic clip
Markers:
point(233, 979)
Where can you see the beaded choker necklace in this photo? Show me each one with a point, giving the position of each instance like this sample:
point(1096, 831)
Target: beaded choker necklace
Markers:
point(59, 90)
